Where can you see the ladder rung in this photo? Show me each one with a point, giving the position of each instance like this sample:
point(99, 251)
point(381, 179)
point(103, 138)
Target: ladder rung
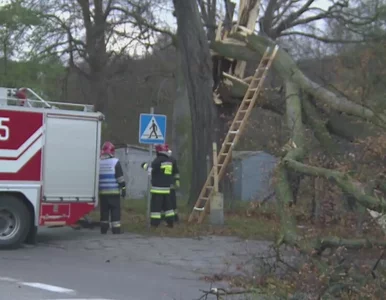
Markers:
point(247, 99)
point(223, 154)
point(244, 110)
point(209, 186)
point(234, 131)
point(199, 209)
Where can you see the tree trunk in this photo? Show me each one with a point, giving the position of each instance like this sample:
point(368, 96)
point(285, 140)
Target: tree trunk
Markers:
point(197, 69)
point(182, 131)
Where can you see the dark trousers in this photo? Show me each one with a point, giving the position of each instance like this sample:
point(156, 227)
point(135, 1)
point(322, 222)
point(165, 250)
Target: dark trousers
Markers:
point(110, 208)
point(173, 199)
point(161, 202)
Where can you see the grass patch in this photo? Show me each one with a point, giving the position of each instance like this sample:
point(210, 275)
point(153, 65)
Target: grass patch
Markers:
point(238, 222)
point(245, 220)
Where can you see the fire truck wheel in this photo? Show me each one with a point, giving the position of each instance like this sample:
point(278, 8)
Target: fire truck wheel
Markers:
point(15, 221)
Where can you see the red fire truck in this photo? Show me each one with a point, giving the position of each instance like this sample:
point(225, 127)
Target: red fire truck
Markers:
point(49, 164)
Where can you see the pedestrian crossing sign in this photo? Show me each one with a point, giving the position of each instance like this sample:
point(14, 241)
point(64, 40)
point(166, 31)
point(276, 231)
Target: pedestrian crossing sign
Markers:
point(152, 129)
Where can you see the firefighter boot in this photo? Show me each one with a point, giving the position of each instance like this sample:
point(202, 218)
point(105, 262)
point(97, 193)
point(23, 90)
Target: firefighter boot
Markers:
point(104, 227)
point(116, 230)
point(116, 227)
point(170, 221)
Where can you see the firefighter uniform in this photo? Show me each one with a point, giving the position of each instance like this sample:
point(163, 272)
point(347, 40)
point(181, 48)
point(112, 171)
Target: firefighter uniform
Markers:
point(174, 186)
point(161, 180)
point(111, 187)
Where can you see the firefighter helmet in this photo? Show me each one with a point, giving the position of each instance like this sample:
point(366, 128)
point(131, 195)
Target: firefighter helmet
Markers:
point(164, 148)
point(22, 96)
point(108, 148)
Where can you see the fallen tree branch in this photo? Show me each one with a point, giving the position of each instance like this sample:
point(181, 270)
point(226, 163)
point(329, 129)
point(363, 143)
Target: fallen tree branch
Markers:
point(237, 86)
point(321, 244)
point(321, 133)
point(343, 181)
point(349, 128)
point(219, 292)
point(283, 189)
point(376, 264)
point(243, 45)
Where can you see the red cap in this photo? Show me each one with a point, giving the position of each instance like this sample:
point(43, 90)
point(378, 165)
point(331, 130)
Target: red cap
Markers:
point(108, 148)
point(162, 148)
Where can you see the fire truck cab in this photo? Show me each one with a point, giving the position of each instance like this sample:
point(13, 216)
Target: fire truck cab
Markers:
point(49, 164)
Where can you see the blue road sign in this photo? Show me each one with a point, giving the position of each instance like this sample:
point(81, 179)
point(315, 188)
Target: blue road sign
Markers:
point(152, 129)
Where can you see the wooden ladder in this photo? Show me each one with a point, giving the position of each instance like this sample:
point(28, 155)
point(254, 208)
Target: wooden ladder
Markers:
point(233, 135)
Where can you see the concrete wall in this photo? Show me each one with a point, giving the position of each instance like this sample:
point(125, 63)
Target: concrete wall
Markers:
point(131, 159)
point(252, 172)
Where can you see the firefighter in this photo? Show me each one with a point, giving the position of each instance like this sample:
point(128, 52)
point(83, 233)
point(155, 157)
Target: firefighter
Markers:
point(111, 187)
point(22, 96)
point(175, 186)
point(161, 180)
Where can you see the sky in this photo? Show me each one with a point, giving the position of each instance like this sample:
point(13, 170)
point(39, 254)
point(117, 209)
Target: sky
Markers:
point(164, 14)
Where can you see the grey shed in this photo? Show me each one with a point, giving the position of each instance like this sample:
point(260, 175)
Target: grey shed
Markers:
point(252, 174)
point(131, 158)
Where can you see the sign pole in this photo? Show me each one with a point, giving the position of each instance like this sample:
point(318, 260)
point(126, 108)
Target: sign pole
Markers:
point(152, 131)
point(149, 180)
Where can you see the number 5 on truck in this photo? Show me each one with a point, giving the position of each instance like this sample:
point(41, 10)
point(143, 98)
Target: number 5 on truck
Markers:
point(4, 129)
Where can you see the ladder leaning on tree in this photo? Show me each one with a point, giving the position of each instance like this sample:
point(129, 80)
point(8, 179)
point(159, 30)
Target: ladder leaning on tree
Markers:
point(202, 204)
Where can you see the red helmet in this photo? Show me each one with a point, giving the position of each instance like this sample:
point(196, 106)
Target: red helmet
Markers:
point(108, 148)
point(21, 94)
point(164, 148)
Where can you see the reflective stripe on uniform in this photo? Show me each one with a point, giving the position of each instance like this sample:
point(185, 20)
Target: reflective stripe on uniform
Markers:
point(155, 215)
point(121, 179)
point(167, 168)
point(160, 190)
point(169, 213)
point(176, 185)
point(108, 184)
point(176, 182)
point(116, 224)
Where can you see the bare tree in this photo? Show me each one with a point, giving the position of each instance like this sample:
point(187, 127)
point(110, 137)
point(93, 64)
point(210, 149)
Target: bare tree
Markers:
point(82, 32)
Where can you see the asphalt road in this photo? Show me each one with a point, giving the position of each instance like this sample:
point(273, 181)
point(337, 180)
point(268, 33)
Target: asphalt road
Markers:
point(68, 264)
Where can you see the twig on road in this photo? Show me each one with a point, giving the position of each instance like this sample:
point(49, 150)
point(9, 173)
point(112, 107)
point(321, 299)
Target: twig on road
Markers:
point(219, 292)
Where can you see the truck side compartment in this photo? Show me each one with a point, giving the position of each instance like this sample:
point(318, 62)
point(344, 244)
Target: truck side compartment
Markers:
point(70, 168)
